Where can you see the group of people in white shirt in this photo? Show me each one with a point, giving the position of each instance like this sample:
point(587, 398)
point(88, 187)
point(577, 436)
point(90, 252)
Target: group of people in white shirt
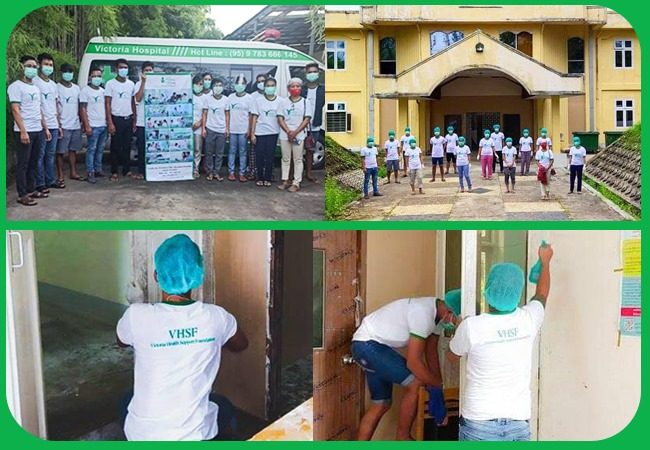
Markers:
point(50, 117)
point(405, 155)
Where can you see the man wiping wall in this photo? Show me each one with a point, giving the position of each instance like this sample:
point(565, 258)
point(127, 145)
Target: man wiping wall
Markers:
point(177, 345)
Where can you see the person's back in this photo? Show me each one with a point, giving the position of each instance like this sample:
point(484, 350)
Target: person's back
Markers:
point(177, 357)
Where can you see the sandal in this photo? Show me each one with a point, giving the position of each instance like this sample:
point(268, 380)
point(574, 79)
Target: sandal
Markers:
point(45, 190)
point(38, 194)
point(218, 178)
point(267, 184)
point(231, 177)
point(27, 201)
point(58, 184)
point(113, 177)
point(293, 188)
point(138, 176)
point(209, 177)
point(284, 185)
point(77, 178)
point(259, 183)
point(242, 179)
point(313, 180)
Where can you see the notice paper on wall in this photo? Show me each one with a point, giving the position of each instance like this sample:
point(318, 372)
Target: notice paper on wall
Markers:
point(168, 114)
point(630, 321)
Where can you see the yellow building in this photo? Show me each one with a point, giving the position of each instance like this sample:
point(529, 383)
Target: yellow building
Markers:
point(566, 68)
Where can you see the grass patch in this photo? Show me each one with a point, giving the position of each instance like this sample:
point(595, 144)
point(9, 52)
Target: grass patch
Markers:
point(337, 199)
point(632, 137)
point(611, 196)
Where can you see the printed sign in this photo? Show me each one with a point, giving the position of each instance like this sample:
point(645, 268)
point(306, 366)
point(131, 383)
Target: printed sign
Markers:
point(168, 114)
point(630, 322)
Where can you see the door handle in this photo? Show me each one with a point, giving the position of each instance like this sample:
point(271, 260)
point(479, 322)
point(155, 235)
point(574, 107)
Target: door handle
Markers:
point(347, 360)
point(20, 250)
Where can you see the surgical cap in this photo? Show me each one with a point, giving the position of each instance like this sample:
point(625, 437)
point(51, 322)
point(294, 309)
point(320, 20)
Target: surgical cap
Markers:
point(407, 129)
point(370, 140)
point(461, 140)
point(544, 130)
point(508, 139)
point(452, 300)
point(179, 265)
point(576, 140)
point(504, 286)
point(450, 128)
point(412, 140)
point(391, 133)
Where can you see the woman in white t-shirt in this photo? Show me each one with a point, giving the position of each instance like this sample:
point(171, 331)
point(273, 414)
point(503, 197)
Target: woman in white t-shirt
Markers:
point(198, 126)
point(216, 118)
point(545, 159)
point(415, 164)
point(462, 152)
point(265, 130)
point(240, 107)
point(486, 155)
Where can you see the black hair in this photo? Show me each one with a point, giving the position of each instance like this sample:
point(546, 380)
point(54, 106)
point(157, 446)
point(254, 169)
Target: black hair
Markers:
point(25, 58)
point(275, 82)
point(196, 79)
point(95, 69)
point(261, 75)
point(66, 68)
point(147, 64)
point(44, 57)
point(241, 79)
point(119, 61)
point(217, 80)
point(311, 65)
point(205, 74)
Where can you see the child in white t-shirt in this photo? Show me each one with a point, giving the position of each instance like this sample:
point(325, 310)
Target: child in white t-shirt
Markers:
point(414, 155)
point(525, 151)
point(404, 142)
point(509, 157)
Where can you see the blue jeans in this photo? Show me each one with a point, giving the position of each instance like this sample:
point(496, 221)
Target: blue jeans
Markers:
point(237, 146)
point(383, 367)
point(494, 430)
point(45, 166)
point(95, 151)
point(366, 178)
point(463, 174)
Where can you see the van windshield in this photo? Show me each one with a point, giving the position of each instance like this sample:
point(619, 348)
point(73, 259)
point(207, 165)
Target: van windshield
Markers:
point(223, 71)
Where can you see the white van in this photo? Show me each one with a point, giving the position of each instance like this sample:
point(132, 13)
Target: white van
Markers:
point(222, 59)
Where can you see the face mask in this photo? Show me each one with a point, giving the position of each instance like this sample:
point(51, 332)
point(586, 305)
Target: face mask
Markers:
point(207, 84)
point(391, 138)
point(67, 76)
point(437, 133)
point(412, 145)
point(526, 134)
point(496, 130)
point(408, 133)
point(30, 72)
point(197, 89)
point(461, 143)
point(543, 135)
point(123, 72)
point(269, 90)
point(239, 88)
point(260, 86)
point(47, 70)
point(311, 77)
point(487, 135)
point(509, 144)
point(295, 92)
point(96, 81)
point(217, 90)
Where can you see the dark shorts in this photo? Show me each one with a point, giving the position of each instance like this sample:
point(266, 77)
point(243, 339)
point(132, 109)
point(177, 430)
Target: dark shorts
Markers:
point(392, 165)
point(451, 157)
point(437, 161)
point(70, 142)
point(383, 367)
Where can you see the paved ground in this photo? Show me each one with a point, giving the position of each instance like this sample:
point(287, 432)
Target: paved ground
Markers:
point(488, 201)
point(129, 199)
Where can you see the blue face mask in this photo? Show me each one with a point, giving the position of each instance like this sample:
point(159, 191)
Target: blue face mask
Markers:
point(30, 72)
point(311, 77)
point(96, 81)
point(67, 76)
point(269, 90)
point(197, 89)
point(47, 70)
point(239, 88)
point(207, 84)
point(123, 72)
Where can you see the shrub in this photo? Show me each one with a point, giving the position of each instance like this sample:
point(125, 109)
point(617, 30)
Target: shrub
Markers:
point(337, 199)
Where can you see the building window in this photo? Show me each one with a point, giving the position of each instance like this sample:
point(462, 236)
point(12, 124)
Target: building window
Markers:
point(522, 41)
point(335, 55)
point(623, 53)
point(624, 113)
point(337, 118)
point(440, 40)
point(387, 56)
point(576, 55)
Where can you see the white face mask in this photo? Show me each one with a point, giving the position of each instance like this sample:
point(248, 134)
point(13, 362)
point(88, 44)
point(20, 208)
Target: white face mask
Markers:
point(217, 90)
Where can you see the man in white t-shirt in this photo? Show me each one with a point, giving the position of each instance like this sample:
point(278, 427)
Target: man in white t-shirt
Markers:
point(370, 167)
point(70, 142)
point(45, 176)
point(437, 154)
point(498, 345)
point(177, 345)
point(451, 142)
point(577, 153)
point(525, 151)
point(392, 149)
point(498, 138)
point(414, 156)
point(92, 110)
point(119, 95)
point(147, 67)
point(314, 92)
point(410, 324)
point(404, 142)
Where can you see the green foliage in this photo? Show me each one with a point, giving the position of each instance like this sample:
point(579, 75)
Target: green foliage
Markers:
point(337, 199)
point(632, 137)
point(170, 21)
point(611, 196)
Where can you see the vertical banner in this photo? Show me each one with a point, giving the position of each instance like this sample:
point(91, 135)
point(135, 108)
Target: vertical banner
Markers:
point(630, 322)
point(168, 114)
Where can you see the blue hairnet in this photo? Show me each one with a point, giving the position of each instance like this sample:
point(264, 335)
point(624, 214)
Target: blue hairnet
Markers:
point(504, 286)
point(179, 265)
point(452, 300)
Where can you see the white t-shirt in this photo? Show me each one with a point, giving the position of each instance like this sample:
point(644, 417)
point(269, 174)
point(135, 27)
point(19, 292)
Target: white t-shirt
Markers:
point(311, 98)
point(509, 155)
point(499, 350)
point(544, 158)
point(462, 155)
point(451, 140)
point(392, 150)
point(139, 106)
point(404, 141)
point(394, 323)
point(497, 138)
point(577, 155)
point(217, 108)
point(414, 158)
point(29, 97)
point(177, 357)
point(197, 101)
point(526, 144)
point(49, 98)
point(94, 100)
point(240, 108)
point(549, 143)
point(486, 146)
point(437, 146)
point(69, 101)
point(121, 94)
point(294, 113)
point(369, 156)
point(266, 112)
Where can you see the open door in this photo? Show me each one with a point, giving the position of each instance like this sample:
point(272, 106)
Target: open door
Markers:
point(338, 386)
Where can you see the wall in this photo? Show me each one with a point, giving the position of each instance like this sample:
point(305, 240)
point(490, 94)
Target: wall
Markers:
point(589, 386)
point(397, 264)
point(94, 263)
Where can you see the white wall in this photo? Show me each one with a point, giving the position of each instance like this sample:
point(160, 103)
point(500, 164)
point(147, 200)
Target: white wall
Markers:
point(589, 386)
